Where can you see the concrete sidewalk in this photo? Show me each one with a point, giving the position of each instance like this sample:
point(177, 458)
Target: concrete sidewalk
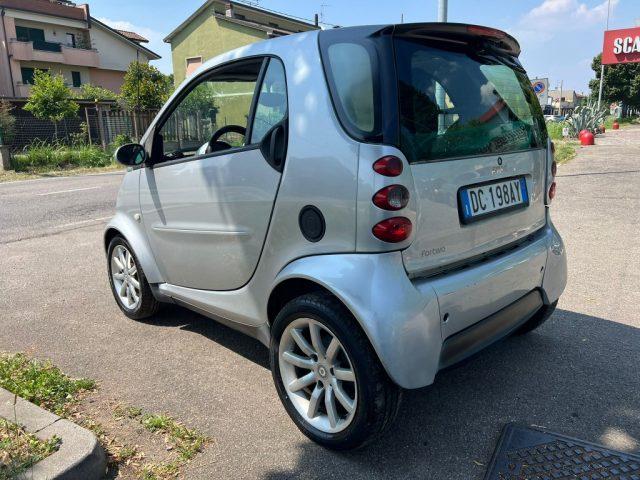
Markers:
point(576, 375)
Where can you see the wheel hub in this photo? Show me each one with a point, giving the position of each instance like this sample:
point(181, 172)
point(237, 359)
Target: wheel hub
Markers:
point(124, 274)
point(317, 375)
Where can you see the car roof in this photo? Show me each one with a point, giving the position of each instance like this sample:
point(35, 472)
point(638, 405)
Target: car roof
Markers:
point(451, 31)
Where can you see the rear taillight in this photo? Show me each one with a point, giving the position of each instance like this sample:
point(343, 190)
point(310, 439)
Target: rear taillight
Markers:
point(551, 194)
point(393, 197)
point(393, 230)
point(388, 166)
point(486, 31)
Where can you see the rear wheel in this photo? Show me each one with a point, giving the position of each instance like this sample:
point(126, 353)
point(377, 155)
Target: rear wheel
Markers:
point(327, 374)
point(538, 319)
point(128, 282)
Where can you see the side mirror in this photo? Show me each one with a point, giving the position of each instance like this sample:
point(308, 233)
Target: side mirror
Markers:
point(131, 154)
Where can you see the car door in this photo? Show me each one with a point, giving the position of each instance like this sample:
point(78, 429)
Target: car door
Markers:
point(206, 202)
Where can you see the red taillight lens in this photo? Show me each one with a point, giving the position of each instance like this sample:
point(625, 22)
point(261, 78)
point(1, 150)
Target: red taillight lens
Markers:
point(486, 31)
point(393, 230)
point(394, 197)
point(554, 168)
point(552, 191)
point(388, 166)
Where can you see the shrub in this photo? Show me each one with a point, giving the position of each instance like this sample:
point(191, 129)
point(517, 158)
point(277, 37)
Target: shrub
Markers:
point(95, 93)
point(555, 130)
point(7, 122)
point(40, 156)
point(122, 139)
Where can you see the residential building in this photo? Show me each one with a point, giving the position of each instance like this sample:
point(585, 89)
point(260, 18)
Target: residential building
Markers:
point(564, 101)
point(61, 37)
point(219, 26)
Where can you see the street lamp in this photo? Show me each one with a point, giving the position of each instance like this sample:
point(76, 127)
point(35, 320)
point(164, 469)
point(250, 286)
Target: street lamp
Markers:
point(602, 64)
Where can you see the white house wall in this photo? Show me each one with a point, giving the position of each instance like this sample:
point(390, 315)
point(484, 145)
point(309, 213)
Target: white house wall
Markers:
point(115, 54)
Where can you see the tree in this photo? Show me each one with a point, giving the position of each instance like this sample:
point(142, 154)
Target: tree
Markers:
point(95, 93)
point(145, 88)
point(7, 123)
point(51, 99)
point(621, 83)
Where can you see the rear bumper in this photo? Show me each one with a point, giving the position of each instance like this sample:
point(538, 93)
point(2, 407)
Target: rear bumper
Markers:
point(405, 319)
point(485, 332)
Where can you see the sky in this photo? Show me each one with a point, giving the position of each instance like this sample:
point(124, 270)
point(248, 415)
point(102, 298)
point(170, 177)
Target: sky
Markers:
point(559, 38)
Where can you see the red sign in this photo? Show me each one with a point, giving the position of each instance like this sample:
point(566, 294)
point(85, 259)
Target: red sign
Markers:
point(621, 46)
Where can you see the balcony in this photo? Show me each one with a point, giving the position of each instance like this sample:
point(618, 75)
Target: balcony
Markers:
point(50, 52)
point(23, 90)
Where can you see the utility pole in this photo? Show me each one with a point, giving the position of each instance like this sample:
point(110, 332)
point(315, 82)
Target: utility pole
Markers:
point(560, 105)
point(443, 10)
point(443, 7)
point(602, 64)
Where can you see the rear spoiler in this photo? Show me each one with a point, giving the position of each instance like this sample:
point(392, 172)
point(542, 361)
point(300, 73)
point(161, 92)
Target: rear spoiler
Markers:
point(460, 33)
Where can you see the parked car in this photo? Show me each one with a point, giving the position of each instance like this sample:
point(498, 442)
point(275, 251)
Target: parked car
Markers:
point(554, 118)
point(373, 210)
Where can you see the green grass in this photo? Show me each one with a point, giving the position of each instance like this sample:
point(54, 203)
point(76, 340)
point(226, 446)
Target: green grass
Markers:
point(608, 123)
point(20, 450)
point(40, 382)
point(42, 156)
point(555, 130)
point(566, 150)
point(186, 441)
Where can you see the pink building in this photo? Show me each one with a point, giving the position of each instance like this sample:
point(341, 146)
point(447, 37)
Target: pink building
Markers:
point(61, 37)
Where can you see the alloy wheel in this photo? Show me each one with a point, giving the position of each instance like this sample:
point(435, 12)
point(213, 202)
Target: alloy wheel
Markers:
point(124, 274)
point(317, 375)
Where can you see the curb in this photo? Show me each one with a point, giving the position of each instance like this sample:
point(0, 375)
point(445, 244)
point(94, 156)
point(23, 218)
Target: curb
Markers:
point(79, 456)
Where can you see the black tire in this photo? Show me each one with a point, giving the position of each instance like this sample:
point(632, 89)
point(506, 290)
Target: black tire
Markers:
point(378, 397)
point(538, 319)
point(148, 304)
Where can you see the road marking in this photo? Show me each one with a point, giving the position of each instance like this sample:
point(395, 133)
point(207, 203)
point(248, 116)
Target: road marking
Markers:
point(74, 224)
point(66, 191)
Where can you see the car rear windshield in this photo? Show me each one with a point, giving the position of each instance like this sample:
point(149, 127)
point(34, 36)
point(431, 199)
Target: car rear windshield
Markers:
point(458, 103)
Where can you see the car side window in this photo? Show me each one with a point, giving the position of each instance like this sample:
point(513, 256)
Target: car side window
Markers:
point(214, 115)
point(271, 108)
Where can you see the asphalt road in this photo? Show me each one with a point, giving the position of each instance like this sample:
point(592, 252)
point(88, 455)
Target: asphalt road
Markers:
point(35, 208)
point(577, 375)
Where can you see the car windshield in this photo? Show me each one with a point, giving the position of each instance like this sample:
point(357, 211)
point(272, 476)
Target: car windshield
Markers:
point(456, 103)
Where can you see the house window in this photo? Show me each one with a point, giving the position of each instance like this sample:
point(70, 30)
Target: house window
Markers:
point(25, 34)
point(192, 64)
point(71, 40)
point(27, 75)
point(77, 80)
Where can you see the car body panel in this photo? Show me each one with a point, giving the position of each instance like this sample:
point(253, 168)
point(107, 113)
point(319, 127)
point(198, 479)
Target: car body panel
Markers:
point(441, 238)
point(206, 219)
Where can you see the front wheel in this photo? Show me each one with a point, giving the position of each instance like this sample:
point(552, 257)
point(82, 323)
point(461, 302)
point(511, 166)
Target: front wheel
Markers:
point(128, 282)
point(327, 374)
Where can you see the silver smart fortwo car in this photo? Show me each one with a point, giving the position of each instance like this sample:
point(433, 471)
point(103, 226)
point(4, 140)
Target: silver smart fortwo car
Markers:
point(371, 203)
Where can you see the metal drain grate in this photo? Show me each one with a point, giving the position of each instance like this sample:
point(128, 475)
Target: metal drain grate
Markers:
point(528, 453)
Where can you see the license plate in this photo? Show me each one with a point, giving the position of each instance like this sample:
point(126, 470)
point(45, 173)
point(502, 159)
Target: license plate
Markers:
point(492, 198)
